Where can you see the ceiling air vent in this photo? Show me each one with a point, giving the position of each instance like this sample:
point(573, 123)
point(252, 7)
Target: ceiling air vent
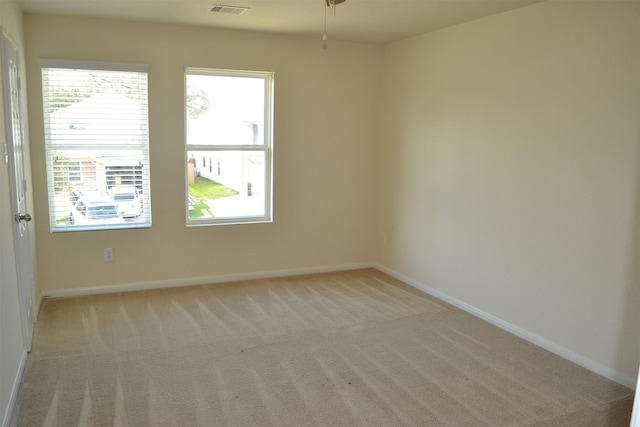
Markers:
point(229, 10)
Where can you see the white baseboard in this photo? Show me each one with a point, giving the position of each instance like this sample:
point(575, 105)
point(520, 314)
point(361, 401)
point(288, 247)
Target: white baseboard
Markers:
point(15, 388)
point(205, 280)
point(557, 349)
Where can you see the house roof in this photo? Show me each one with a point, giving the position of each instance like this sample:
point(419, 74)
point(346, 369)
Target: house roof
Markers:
point(104, 117)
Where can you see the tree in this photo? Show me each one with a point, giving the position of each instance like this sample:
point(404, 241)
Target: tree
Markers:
point(198, 102)
point(83, 84)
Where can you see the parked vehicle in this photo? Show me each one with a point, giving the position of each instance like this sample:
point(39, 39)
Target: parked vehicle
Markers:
point(88, 211)
point(85, 194)
point(127, 200)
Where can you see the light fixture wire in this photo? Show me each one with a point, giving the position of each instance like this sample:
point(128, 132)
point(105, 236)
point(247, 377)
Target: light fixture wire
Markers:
point(324, 36)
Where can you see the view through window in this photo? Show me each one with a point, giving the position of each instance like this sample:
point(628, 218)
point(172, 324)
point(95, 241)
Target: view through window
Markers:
point(97, 145)
point(228, 146)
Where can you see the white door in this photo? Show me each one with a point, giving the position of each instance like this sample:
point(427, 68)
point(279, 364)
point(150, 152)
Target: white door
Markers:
point(15, 147)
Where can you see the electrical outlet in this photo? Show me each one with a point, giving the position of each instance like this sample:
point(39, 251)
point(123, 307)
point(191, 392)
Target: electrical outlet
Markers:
point(108, 254)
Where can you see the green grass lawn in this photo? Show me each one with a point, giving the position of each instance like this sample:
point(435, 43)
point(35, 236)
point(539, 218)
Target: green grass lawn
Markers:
point(204, 189)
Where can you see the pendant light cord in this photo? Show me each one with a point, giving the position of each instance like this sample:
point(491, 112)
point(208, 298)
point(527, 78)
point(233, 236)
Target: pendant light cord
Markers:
point(324, 36)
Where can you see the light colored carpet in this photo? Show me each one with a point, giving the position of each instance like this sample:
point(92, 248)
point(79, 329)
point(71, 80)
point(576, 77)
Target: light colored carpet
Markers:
point(337, 349)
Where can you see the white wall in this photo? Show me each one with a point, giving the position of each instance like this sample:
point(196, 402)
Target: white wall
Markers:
point(325, 103)
point(12, 349)
point(508, 172)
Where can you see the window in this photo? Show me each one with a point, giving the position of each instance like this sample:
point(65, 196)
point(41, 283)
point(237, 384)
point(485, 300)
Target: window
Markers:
point(97, 145)
point(228, 121)
point(75, 171)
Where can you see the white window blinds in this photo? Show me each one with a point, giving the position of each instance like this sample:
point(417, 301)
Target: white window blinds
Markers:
point(97, 145)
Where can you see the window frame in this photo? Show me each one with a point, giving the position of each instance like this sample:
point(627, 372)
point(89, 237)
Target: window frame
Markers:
point(266, 147)
point(141, 147)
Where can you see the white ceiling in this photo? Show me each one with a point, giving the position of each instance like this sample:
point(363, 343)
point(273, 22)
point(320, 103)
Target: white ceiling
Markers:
point(371, 21)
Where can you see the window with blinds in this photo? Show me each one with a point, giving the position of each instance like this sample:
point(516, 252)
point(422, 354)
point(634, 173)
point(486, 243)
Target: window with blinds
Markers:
point(97, 145)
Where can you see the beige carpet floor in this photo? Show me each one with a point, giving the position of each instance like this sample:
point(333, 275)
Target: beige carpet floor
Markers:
point(337, 349)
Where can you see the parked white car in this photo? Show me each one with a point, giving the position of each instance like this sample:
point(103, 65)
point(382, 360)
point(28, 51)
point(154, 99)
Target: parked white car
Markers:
point(94, 212)
point(127, 200)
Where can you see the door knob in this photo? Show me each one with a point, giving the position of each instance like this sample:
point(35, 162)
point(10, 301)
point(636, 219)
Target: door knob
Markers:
point(21, 217)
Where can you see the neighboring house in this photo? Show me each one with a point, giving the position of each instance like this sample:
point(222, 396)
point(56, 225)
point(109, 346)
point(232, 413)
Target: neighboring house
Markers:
point(78, 139)
point(222, 166)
